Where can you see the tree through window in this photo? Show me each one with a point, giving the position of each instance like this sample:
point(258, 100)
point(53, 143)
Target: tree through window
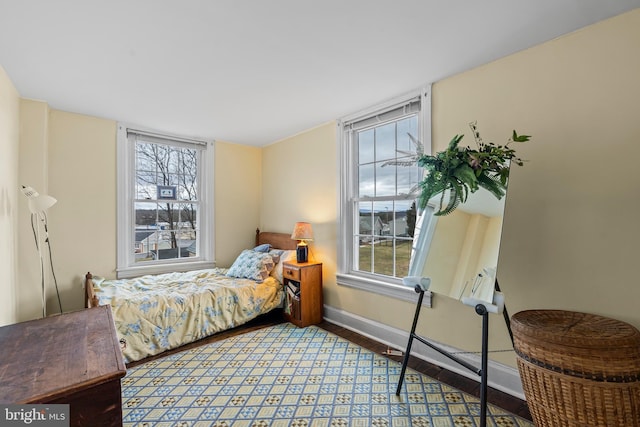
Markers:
point(167, 198)
point(166, 202)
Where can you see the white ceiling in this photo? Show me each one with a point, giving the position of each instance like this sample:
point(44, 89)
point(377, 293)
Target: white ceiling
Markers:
point(256, 71)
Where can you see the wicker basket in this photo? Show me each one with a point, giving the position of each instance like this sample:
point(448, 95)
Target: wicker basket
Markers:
point(578, 369)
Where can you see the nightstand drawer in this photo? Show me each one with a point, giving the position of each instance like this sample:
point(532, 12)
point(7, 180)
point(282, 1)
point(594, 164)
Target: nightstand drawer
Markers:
point(290, 272)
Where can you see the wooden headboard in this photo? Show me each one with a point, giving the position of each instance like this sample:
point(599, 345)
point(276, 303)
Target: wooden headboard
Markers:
point(276, 240)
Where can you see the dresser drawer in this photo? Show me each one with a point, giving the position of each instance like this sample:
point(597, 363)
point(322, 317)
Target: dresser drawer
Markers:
point(291, 272)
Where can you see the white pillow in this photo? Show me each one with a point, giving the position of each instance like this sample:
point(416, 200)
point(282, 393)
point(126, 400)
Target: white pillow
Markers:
point(288, 255)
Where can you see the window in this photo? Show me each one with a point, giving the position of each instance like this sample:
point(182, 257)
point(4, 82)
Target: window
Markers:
point(379, 179)
point(165, 203)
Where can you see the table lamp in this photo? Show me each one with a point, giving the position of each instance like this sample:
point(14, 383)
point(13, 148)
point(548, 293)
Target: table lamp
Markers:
point(303, 233)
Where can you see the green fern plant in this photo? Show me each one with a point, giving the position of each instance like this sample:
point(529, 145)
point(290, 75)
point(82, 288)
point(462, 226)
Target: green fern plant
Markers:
point(463, 170)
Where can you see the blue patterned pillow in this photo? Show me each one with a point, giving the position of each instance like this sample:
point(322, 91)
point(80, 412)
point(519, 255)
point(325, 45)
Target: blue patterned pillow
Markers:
point(252, 265)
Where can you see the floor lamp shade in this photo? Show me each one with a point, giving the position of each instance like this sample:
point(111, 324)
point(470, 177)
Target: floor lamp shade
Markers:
point(303, 233)
point(38, 202)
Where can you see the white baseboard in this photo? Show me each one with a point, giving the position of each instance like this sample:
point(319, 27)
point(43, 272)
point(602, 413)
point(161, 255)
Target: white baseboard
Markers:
point(500, 377)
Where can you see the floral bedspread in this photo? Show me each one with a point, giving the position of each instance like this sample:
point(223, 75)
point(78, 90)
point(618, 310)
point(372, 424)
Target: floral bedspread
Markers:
point(156, 313)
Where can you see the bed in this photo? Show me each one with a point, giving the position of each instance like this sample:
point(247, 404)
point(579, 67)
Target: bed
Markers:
point(155, 313)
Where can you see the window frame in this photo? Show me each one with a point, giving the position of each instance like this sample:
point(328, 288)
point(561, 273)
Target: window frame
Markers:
point(346, 274)
point(126, 177)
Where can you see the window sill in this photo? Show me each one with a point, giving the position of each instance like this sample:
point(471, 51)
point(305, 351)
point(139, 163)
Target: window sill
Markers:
point(128, 272)
point(380, 287)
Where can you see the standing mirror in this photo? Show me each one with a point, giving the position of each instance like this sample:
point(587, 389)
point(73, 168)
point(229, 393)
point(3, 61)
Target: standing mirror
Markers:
point(456, 247)
point(459, 251)
point(455, 250)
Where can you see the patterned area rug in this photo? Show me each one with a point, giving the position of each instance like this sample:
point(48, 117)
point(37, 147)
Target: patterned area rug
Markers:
point(287, 376)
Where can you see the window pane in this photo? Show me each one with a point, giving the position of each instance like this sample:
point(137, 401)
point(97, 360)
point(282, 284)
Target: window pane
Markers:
point(167, 214)
point(365, 256)
point(175, 160)
point(405, 127)
point(146, 237)
point(187, 187)
point(145, 185)
point(383, 257)
point(382, 213)
point(187, 178)
point(408, 179)
point(404, 218)
point(145, 159)
point(171, 179)
point(403, 256)
point(385, 180)
point(365, 146)
point(186, 230)
point(188, 161)
point(363, 242)
point(366, 181)
point(365, 225)
point(385, 142)
point(188, 219)
point(188, 191)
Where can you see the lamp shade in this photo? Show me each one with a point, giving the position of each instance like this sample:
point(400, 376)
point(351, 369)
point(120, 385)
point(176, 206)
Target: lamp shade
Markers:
point(38, 202)
point(302, 231)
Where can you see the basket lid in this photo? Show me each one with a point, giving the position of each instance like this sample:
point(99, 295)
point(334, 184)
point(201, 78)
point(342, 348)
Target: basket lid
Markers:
point(578, 344)
point(570, 328)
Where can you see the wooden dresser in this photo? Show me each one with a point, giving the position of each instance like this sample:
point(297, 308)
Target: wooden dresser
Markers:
point(72, 358)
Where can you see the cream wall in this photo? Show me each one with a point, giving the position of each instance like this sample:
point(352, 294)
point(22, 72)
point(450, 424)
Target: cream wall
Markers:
point(238, 192)
point(34, 122)
point(570, 232)
point(570, 229)
point(299, 182)
point(82, 176)
point(9, 209)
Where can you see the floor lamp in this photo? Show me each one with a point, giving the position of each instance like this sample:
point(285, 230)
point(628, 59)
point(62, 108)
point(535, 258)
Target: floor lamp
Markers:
point(38, 205)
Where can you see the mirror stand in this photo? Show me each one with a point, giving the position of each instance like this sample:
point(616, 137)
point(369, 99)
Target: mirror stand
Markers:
point(505, 314)
point(482, 310)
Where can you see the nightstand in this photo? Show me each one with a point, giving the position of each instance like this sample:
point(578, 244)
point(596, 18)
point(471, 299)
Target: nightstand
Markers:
point(303, 292)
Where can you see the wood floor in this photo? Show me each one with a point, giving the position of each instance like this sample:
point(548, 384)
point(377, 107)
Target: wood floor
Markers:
point(496, 397)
